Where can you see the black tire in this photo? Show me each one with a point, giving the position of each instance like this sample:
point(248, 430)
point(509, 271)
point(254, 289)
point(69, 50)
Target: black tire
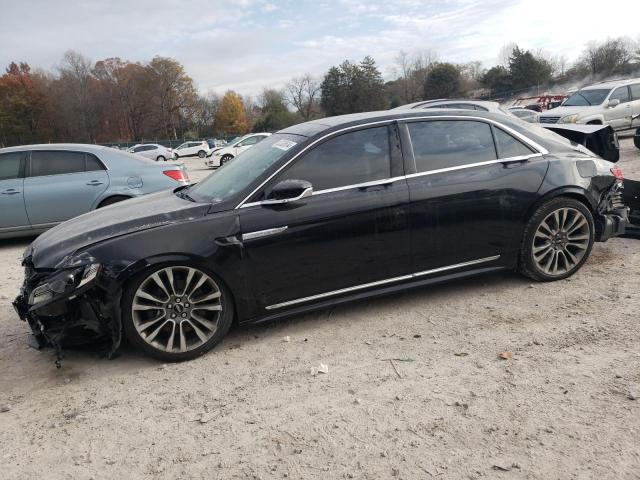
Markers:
point(202, 154)
point(111, 200)
point(161, 159)
point(223, 321)
point(226, 158)
point(530, 267)
point(636, 138)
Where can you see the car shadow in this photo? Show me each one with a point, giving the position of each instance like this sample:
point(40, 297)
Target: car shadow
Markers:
point(91, 362)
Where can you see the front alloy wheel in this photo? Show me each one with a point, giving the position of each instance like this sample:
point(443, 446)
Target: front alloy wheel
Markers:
point(558, 240)
point(176, 312)
point(202, 154)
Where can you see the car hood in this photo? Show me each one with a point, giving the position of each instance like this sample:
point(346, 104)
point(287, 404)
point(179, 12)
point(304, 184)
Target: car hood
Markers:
point(563, 111)
point(143, 213)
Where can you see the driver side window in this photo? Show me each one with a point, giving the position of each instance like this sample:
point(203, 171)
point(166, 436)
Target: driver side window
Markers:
point(620, 93)
point(349, 159)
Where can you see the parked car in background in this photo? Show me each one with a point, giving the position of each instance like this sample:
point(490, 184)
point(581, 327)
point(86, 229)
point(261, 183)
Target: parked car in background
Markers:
point(321, 213)
point(192, 149)
point(222, 155)
point(43, 185)
point(613, 103)
point(154, 151)
point(525, 114)
point(215, 143)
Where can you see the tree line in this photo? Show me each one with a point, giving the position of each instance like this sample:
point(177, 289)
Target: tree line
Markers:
point(115, 100)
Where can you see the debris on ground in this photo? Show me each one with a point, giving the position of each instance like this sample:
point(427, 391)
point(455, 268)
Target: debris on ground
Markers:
point(286, 339)
point(4, 408)
point(322, 368)
point(506, 355)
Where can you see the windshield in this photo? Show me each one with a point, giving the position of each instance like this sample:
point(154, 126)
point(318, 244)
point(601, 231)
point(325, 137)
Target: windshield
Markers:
point(584, 98)
point(235, 176)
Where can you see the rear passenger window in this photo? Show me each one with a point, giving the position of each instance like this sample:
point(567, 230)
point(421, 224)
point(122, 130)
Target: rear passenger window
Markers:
point(450, 143)
point(635, 91)
point(56, 163)
point(349, 159)
point(10, 165)
point(509, 146)
point(93, 163)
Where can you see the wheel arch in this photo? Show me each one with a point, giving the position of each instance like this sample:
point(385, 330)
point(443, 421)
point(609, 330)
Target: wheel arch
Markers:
point(111, 196)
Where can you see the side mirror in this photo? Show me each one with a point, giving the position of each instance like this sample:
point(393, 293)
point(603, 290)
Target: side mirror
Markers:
point(289, 191)
point(614, 102)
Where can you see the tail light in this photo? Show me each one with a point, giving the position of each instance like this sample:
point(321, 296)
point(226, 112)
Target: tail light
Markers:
point(617, 172)
point(177, 175)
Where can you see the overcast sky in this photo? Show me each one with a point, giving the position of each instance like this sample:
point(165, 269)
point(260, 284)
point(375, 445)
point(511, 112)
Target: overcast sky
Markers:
point(247, 44)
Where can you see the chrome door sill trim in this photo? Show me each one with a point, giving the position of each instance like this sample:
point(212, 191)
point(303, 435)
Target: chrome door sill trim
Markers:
point(381, 282)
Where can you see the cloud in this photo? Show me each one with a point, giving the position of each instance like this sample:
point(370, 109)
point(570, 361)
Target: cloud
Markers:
point(248, 44)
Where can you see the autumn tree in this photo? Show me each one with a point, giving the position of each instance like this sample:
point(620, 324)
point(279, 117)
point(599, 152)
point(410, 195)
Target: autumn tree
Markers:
point(76, 101)
point(173, 94)
point(230, 117)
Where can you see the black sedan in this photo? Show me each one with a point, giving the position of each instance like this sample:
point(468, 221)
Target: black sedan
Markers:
point(321, 213)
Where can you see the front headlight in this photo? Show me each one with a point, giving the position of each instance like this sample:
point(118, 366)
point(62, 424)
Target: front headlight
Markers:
point(77, 271)
point(569, 118)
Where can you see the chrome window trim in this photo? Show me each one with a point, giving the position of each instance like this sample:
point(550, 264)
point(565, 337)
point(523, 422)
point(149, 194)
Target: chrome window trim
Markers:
point(381, 282)
point(390, 180)
point(540, 150)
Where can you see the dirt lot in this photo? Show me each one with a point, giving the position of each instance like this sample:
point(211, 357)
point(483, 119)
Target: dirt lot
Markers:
point(414, 388)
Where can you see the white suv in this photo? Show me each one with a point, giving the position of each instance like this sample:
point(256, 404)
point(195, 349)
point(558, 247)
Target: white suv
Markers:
point(153, 151)
point(613, 103)
point(220, 156)
point(192, 149)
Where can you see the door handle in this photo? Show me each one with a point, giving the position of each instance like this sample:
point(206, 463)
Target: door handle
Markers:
point(11, 191)
point(94, 183)
point(377, 183)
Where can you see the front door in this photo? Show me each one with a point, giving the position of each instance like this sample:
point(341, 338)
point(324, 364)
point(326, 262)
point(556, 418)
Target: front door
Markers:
point(469, 192)
point(352, 232)
point(619, 117)
point(60, 185)
point(635, 104)
point(13, 214)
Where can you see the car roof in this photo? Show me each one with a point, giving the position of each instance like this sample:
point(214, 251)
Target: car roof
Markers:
point(612, 83)
point(56, 146)
point(314, 127)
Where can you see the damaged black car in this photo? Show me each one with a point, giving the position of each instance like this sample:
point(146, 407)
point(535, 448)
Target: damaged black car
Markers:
point(324, 212)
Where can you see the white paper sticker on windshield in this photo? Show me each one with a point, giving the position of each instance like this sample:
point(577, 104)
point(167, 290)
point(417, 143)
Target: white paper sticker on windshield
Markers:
point(284, 144)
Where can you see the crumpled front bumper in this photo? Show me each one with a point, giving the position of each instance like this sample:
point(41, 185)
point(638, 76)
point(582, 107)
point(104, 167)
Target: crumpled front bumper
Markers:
point(89, 314)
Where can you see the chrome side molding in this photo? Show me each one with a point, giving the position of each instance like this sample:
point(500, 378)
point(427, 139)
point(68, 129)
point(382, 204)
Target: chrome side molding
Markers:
point(381, 282)
point(262, 233)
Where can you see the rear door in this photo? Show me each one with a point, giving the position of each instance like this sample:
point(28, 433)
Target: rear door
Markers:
point(60, 185)
point(350, 233)
point(472, 185)
point(14, 214)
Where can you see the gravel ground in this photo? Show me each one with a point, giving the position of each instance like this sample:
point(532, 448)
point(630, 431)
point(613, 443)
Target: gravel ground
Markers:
point(414, 389)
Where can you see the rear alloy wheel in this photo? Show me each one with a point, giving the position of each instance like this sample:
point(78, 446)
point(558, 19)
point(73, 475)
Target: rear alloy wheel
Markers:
point(176, 312)
point(225, 159)
point(161, 159)
point(558, 240)
point(202, 154)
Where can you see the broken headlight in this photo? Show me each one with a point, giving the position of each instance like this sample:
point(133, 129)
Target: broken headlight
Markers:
point(77, 271)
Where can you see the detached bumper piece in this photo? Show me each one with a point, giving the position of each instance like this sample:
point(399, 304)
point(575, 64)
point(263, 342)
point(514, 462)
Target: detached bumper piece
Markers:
point(613, 214)
point(62, 311)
